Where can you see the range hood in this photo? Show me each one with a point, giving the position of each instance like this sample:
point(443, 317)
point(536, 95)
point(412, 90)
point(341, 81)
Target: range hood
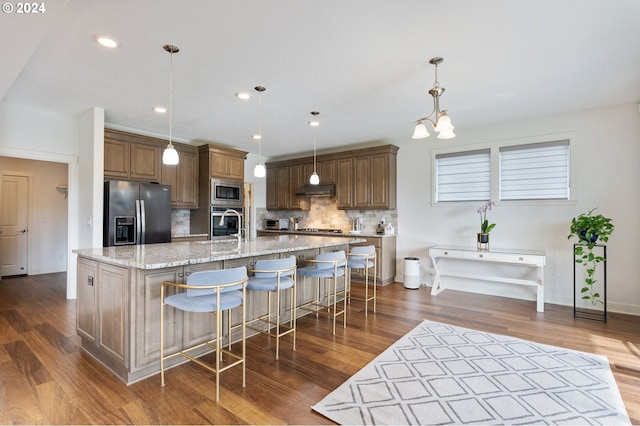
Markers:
point(326, 190)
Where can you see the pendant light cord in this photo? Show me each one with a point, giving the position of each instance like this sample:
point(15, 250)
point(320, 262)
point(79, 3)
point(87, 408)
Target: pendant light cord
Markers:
point(170, 97)
point(260, 127)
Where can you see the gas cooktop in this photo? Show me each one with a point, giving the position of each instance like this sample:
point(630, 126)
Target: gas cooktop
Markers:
point(325, 230)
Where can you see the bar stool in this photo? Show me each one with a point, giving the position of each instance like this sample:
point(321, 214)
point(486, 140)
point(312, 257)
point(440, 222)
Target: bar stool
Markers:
point(272, 276)
point(215, 292)
point(363, 257)
point(328, 266)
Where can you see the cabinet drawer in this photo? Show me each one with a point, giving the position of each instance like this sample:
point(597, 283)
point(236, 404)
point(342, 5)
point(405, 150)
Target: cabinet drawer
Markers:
point(504, 257)
point(446, 253)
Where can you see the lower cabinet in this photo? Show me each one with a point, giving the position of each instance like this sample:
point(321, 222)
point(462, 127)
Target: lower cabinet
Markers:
point(101, 318)
point(385, 256)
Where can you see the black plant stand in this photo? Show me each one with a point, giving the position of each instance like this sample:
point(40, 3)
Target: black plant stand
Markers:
point(592, 314)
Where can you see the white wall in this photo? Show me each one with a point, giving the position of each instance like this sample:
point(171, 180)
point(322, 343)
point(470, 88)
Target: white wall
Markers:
point(607, 151)
point(37, 134)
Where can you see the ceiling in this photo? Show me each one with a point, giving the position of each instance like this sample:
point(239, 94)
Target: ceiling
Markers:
point(364, 64)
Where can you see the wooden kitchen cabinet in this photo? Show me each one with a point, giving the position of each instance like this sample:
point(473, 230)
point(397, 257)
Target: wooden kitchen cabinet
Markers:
point(116, 157)
point(138, 157)
point(102, 309)
point(365, 179)
point(297, 178)
point(282, 184)
point(344, 182)
point(226, 163)
point(327, 171)
point(86, 322)
point(183, 178)
point(130, 156)
point(386, 259)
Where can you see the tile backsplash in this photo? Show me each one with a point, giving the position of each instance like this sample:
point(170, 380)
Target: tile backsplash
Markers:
point(180, 221)
point(324, 213)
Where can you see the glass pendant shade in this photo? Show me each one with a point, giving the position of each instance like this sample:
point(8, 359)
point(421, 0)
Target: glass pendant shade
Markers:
point(259, 170)
point(314, 179)
point(447, 134)
point(170, 156)
point(444, 123)
point(420, 131)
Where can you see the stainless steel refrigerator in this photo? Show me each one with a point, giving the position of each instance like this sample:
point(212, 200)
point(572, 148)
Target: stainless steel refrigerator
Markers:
point(136, 213)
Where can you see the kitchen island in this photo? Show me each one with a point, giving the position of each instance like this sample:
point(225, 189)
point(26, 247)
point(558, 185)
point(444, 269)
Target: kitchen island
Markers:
point(118, 303)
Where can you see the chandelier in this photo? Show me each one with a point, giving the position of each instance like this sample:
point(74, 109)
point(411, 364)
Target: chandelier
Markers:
point(439, 120)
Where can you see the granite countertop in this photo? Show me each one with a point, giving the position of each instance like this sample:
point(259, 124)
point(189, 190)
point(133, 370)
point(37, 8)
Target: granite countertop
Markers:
point(333, 234)
point(166, 255)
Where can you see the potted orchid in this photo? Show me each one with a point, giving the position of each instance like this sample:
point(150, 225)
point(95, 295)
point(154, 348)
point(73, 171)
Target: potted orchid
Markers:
point(485, 226)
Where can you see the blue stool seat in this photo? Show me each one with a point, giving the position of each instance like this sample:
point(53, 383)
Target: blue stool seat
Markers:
point(213, 291)
point(182, 301)
point(272, 276)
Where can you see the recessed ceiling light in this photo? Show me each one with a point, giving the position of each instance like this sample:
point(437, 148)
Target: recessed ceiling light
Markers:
point(107, 42)
point(243, 95)
point(160, 109)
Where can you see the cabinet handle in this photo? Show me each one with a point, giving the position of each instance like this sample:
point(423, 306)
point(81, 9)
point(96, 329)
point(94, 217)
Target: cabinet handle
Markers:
point(520, 258)
point(480, 255)
point(180, 274)
point(446, 253)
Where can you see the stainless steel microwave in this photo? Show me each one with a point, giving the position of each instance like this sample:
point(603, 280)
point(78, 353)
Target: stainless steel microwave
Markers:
point(227, 193)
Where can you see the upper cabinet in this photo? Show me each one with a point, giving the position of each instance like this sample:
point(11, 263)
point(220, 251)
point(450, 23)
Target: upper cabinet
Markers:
point(183, 178)
point(137, 157)
point(225, 162)
point(365, 179)
point(129, 156)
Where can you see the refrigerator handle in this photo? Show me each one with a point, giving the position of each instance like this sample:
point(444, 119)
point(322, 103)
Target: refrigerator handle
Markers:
point(143, 220)
point(138, 224)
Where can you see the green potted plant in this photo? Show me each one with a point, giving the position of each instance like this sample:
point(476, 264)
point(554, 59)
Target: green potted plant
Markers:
point(589, 228)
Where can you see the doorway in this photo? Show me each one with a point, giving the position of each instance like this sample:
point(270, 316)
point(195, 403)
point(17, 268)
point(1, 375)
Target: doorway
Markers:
point(44, 215)
point(14, 226)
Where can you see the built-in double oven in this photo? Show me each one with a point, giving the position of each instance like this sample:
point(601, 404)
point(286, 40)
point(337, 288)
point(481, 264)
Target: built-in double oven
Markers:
point(229, 225)
point(226, 195)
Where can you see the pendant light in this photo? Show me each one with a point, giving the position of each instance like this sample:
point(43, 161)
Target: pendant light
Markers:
point(314, 179)
point(439, 120)
point(259, 171)
point(170, 155)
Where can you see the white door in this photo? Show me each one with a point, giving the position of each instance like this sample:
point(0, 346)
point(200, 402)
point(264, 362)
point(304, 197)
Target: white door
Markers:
point(13, 224)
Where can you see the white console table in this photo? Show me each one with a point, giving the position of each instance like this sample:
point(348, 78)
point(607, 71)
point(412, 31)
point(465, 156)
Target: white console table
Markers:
point(526, 258)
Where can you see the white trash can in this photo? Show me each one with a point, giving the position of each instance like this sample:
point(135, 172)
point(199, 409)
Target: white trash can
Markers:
point(411, 276)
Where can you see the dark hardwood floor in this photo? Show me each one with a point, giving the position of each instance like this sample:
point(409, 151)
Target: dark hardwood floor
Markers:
point(46, 378)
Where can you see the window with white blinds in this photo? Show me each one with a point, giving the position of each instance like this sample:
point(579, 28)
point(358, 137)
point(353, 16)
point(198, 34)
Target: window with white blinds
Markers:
point(463, 176)
point(538, 171)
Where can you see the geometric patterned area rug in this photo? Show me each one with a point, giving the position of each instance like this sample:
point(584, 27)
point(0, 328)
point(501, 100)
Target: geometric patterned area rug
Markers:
point(443, 374)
